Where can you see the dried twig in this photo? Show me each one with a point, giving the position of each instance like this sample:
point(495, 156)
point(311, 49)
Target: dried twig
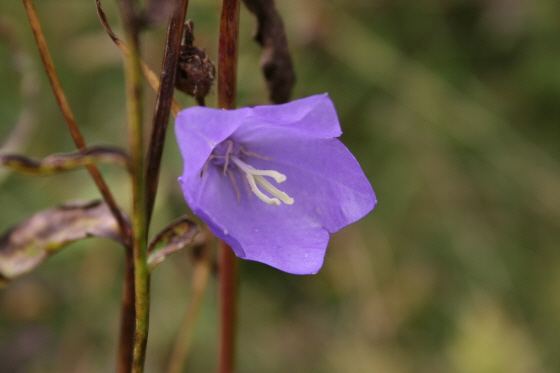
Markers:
point(69, 117)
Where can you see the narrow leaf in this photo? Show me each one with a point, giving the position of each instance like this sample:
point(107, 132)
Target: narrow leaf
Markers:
point(57, 163)
point(25, 246)
point(151, 77)
point(176, 236)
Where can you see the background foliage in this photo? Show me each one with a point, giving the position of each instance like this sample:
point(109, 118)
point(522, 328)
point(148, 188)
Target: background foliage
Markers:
point(452, 109)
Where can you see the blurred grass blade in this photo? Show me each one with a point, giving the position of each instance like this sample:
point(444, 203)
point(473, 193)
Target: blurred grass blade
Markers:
point(25, 246)
point(58, 163)
point(156, 11)
point(151, 77)
point(202, 269)
point(21, 63)
point(176, 236)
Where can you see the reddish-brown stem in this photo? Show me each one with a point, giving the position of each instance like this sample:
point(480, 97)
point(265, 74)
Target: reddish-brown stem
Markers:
point(227, 66)
point(228, 307)
point(128, 316)
point(69, 117)
point(227, 54)
point(163, 103)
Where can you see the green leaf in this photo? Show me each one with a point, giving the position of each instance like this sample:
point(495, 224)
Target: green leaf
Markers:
point(176, 236)
point(57, 163)
point(25, 246)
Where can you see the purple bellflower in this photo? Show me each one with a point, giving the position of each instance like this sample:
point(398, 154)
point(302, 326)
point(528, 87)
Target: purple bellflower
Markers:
point(272, 181)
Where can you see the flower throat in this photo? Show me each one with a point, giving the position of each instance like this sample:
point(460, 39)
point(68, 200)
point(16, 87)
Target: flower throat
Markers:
point(228, 155)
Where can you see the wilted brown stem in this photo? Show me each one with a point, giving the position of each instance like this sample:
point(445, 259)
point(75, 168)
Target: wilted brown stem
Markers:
point(163, 102)
point(69, 117)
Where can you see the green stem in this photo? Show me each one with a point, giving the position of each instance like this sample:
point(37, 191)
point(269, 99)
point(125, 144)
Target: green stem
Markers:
point(133, 74)
point(227, 68)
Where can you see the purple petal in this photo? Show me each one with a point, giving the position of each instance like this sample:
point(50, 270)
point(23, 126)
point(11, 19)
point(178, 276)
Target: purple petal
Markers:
point(200, 129)
point(314, 115)
point(274, 235)
point(323, 177)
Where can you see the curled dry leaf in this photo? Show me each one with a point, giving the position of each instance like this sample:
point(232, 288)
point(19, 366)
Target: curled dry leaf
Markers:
point(57, 163)
point(25, 246)
point(176, 236)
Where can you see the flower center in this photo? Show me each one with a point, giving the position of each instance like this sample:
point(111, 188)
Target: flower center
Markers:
point(232, 153)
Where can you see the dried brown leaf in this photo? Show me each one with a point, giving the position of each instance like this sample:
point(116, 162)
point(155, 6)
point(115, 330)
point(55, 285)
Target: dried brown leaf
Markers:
point(176, 236)
point(57, 163)
point(27, 245)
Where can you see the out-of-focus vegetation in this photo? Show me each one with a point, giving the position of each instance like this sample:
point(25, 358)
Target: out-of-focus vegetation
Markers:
point(451, 107)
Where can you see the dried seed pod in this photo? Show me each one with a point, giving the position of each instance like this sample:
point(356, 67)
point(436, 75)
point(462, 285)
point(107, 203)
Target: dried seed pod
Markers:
point(196, 71)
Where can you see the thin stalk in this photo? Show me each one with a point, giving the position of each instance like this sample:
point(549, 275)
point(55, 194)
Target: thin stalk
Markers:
point(148, 73)
point(69, 117)
point(133, 74)
point(164, 100)
point(227, 77)
point(183, 340)
point(228, 307)
point(227, 54)
point(128, 316)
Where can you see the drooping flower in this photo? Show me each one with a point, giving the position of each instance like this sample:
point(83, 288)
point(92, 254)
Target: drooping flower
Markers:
point(272, 181)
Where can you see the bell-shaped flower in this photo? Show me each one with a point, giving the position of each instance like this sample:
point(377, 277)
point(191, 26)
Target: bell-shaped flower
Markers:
point(272, 181)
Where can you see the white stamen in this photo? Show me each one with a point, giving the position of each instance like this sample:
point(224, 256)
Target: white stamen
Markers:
point(273, 190)
point(255, 177)
point(261, 195)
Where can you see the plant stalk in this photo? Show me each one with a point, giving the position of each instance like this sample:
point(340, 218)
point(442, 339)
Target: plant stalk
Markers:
point(227, 87)
point(163, 101)
point(128, 316)
point(201, 274)
point(133, 75)
point(227, 54)
point(228, 307)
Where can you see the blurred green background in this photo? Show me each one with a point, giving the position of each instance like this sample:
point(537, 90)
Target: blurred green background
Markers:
point(452, 109)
